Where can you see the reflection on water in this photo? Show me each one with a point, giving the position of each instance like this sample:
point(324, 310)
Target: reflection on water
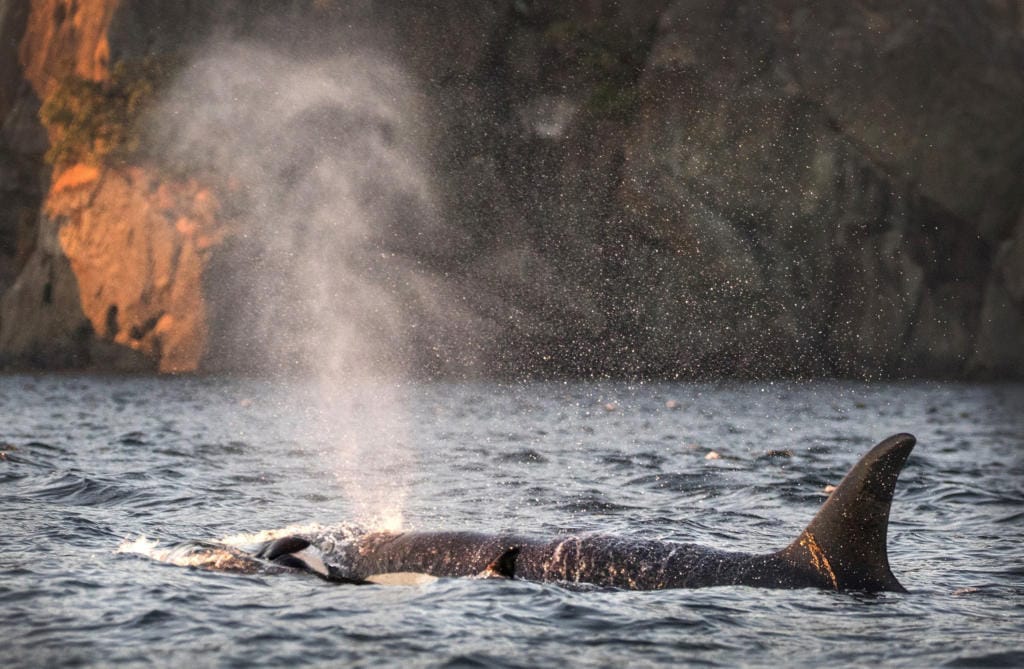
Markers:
point(89, 466)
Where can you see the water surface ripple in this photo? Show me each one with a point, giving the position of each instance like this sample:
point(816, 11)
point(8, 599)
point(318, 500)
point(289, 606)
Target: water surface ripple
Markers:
point(87, 463)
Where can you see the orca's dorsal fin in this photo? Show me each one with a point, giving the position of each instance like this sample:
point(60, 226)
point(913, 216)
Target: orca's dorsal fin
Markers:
point(845, 543)
point(504, 566)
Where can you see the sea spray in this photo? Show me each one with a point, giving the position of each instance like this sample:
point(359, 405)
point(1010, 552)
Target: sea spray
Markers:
point(202, 556)
point(321, 161)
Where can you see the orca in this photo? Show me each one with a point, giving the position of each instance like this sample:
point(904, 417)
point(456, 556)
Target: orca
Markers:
point(843, 548)
point(296, 552)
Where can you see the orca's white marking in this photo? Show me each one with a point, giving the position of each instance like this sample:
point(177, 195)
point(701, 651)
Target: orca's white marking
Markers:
point(313, 559)
point(401, 578)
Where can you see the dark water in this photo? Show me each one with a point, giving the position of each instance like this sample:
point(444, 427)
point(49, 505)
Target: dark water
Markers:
point(93, 464)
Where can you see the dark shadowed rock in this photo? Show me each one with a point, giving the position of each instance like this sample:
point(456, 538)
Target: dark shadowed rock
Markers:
point(675, 188)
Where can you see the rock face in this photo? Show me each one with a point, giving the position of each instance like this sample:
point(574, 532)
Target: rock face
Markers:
point(117, 280)
point(107, 263)
point(673, 188)
point(767, 188)
point(811, 172)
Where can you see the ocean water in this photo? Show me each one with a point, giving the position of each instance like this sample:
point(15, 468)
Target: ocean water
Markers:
point(101, 477)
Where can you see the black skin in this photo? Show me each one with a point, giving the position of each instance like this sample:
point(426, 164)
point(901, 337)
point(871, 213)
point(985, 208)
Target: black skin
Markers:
point(602, 561)
point(843, 548)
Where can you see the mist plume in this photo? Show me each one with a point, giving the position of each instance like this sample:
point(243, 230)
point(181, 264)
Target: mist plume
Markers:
point(333, 217)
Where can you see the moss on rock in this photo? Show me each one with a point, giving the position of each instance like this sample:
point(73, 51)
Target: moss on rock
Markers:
point(95, 122)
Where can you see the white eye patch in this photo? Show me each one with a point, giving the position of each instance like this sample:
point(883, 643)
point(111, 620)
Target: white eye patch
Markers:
point(313, 559)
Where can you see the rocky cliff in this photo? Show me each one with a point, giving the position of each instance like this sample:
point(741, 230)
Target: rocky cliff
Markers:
point(672, 188)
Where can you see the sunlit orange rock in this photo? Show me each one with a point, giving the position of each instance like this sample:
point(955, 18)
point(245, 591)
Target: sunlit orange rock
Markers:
point(133, 251)
point(75, 177)
point(63, 37)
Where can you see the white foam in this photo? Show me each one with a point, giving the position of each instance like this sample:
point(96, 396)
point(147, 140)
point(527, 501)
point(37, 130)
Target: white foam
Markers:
point(204, 557)
point(252, 538)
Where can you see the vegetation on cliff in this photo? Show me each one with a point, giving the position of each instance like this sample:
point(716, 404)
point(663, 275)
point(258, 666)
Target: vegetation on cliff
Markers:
point(95, 122)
